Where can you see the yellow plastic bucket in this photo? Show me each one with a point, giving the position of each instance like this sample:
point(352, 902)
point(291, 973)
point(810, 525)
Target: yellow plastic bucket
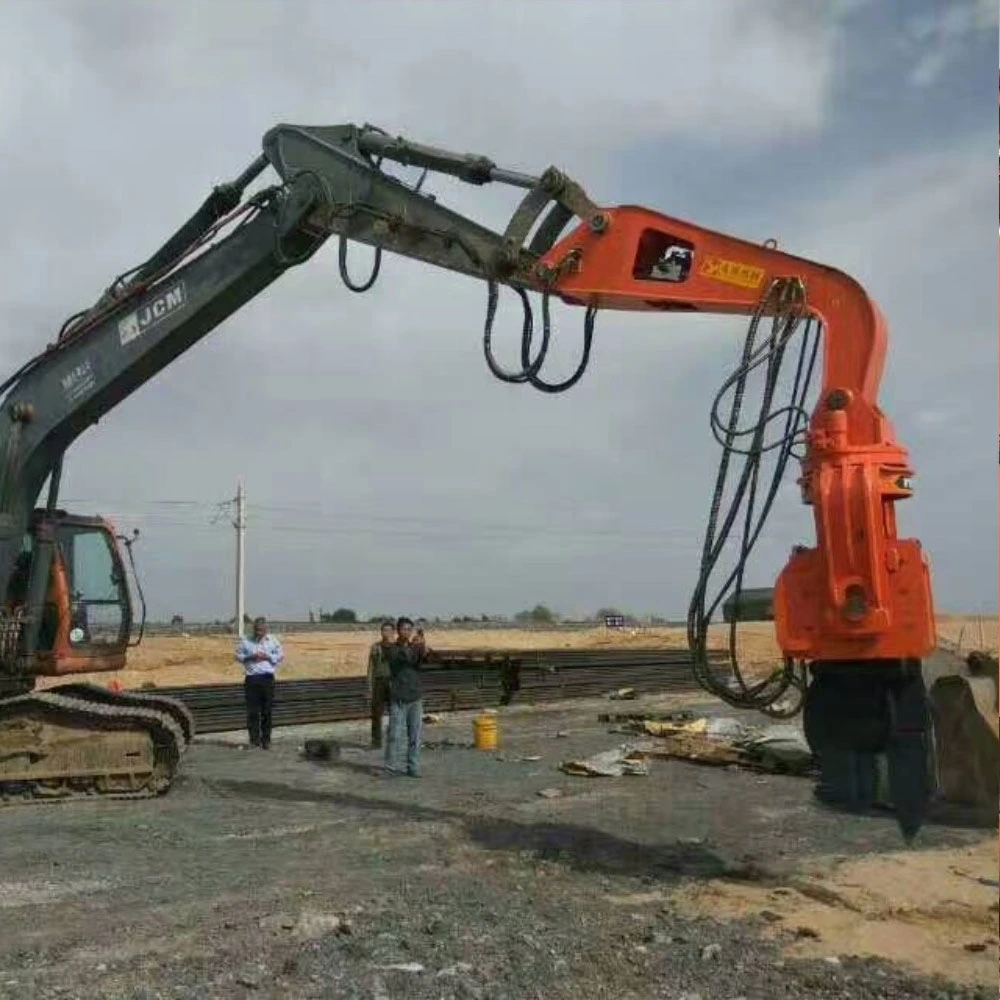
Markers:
point(484, 729)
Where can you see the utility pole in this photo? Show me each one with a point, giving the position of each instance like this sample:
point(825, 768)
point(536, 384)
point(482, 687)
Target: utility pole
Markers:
point(241, 526)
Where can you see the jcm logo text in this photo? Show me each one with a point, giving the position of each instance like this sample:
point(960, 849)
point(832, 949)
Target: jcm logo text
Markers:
point(137, 323)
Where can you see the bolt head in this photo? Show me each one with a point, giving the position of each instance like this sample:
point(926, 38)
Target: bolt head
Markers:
point(855, 603)
point(598, 223)
point(837, 399)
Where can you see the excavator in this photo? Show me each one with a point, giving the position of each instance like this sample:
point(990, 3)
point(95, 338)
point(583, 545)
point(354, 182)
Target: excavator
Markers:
point(853, 612)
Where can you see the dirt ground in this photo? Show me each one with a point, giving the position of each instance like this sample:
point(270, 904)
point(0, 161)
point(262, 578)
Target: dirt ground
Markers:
point(177, 660)
point(263, 875)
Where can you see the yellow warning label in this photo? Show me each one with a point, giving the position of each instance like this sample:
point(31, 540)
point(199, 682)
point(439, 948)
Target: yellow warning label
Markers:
point(732, 272)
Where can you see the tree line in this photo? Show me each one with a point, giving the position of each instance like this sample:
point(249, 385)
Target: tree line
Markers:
point(540, 614)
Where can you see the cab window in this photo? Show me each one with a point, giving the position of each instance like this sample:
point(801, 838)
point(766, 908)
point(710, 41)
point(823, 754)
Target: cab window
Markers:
point(98, 593)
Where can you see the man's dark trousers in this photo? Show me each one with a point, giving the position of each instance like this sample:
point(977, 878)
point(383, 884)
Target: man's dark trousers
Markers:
point(259, 689)
point(380, 702)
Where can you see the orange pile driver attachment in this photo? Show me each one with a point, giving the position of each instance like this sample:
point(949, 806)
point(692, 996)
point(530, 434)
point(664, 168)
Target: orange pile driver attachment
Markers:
point(857, 607)
point(862, 593)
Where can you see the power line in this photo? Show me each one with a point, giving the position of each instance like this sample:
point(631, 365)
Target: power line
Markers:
point(465, 534)
point(347, 521)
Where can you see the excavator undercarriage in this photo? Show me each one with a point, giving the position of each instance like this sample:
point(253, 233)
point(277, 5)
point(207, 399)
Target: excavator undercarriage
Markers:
point(80, 740)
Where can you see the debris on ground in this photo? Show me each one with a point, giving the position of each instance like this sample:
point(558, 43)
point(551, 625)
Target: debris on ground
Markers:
point(689, 742)
point(321, 750)
point(782, 749)
point(251, 978)
point(447, 744)
point(623, 694)
point(679, 716)
point(431, 717)
point(626, 759)
point(551, 793)
point(312, 926)
point(726, 742)
point(459, 968)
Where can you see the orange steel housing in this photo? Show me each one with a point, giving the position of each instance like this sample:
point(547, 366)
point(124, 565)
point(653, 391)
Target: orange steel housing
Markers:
point(861, 593)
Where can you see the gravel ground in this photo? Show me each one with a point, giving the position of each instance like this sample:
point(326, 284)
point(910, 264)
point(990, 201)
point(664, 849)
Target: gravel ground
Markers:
point(263, 875)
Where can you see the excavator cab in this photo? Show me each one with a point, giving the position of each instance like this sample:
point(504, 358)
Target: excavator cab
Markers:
point(87, 618)
point(77, 739)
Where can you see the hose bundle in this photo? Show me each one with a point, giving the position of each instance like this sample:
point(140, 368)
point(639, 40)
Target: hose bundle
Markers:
point(530, 369)
point(785, 302)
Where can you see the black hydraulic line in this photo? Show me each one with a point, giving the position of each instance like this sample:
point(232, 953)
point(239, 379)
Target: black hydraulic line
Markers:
point(345, 276)
point(588, 337)
point(128, 543)
point(529, 368)
point(220, 202)
point(786, 297)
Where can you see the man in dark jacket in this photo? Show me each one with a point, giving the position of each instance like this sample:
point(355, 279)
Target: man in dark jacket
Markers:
point(378, 680)
point(405, 658)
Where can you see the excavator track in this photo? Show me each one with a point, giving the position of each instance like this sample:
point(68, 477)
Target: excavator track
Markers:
point(180, 713)
point(58, 747)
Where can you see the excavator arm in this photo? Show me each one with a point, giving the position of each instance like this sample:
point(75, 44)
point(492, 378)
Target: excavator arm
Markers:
point(855, 609)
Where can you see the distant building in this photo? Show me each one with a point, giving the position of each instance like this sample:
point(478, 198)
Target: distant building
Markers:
point(755, 604)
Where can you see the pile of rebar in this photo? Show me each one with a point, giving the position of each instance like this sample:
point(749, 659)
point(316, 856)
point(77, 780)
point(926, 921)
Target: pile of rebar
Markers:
point(455, 680)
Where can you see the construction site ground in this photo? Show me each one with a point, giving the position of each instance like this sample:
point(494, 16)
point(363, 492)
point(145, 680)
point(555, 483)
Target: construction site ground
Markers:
point(262, 874)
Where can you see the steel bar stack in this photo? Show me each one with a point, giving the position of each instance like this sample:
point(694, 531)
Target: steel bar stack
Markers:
point(456, 680)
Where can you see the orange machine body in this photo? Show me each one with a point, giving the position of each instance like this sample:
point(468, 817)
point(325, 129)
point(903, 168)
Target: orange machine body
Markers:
point(861, 593)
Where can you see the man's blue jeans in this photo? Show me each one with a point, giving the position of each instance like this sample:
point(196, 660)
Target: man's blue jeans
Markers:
point(408, 714)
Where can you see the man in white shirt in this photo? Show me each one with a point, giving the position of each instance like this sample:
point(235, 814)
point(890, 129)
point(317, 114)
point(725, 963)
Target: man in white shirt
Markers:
point(260, 657)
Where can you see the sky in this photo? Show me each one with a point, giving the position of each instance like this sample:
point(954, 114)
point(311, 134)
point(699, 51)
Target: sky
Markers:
point(386, 470)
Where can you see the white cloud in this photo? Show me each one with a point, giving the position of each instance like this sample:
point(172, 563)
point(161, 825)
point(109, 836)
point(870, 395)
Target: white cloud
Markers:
point(912, 231)
point(935, 39)
point(530, 80)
